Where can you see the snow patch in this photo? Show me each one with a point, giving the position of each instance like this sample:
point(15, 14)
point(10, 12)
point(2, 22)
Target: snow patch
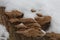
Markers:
point(4, 35)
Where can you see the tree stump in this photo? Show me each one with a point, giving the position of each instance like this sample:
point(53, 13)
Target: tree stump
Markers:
point(21, 28)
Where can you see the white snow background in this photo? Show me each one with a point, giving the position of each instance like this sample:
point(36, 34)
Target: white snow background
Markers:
point(46, 7)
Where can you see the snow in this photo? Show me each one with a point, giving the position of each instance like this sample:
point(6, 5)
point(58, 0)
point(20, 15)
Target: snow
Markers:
point(4, 35)
point(46, 7)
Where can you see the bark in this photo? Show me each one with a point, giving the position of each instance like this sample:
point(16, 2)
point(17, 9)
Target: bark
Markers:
point(21, 28)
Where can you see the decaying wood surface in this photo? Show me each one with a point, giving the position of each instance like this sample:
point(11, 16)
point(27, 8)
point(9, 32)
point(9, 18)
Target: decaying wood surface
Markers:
point(6, 23)
point(11, 19)
point(26, 28)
